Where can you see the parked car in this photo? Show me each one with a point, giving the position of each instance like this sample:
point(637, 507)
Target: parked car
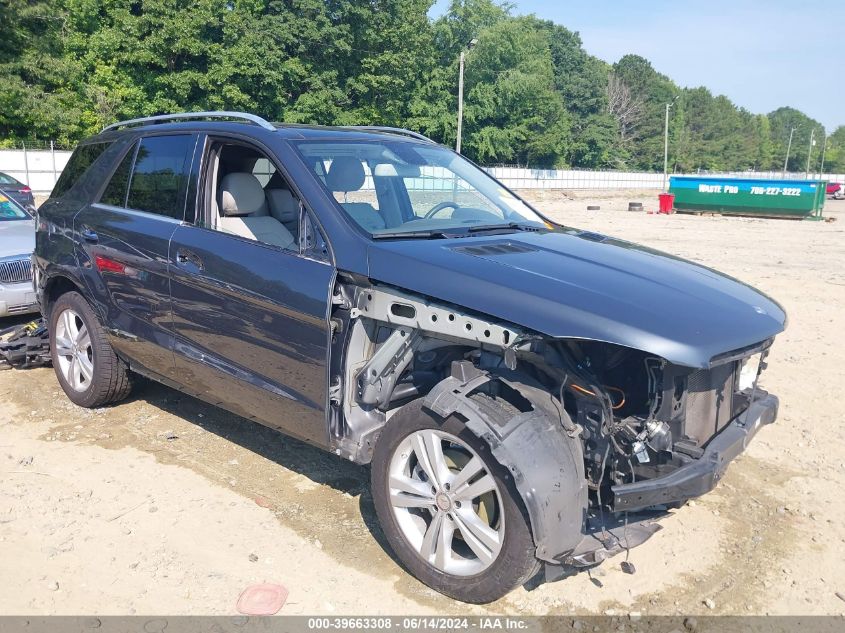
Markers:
point(835, 190)
point(525, 394)
point(17, 240)
point(17, 190)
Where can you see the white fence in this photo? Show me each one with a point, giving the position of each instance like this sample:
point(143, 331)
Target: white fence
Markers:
point(526, 178)
point(41, 168)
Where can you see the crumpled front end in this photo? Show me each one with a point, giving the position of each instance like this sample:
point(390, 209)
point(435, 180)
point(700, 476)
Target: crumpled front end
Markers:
point(672, 442)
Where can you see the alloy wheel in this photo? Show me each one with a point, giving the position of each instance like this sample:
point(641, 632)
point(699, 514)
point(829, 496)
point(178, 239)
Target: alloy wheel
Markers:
point(447, 504)
point(74, 352)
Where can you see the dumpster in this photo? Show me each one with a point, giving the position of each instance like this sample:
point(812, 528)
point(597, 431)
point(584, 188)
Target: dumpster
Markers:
point(803, 199)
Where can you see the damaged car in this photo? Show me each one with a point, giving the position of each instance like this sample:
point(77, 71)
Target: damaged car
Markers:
point(528, 396)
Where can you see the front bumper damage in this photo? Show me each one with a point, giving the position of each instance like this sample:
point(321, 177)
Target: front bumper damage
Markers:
point(701, 475)
point(542, 454)
point(607, 536)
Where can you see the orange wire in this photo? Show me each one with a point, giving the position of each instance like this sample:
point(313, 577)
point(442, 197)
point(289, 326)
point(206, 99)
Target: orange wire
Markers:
point(590, 393)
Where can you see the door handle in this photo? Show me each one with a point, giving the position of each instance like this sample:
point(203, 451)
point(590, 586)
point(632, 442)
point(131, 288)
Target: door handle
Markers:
point(88, 235)
point(188, 257)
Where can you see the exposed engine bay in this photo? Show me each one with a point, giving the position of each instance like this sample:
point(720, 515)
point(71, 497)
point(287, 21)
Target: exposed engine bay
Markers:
point(631, 417)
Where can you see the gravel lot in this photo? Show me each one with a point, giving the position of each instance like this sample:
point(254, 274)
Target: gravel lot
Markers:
point(164, 505)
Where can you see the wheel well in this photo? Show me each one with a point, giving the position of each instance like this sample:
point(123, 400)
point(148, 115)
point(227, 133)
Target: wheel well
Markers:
point(55, 288)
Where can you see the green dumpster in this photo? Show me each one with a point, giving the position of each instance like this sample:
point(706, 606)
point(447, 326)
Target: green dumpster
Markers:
point(749, 196)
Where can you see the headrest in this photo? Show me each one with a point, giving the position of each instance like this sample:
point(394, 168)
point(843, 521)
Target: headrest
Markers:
point(346, 173)
point(241, 194)
point(283, 206)
point(394, 170)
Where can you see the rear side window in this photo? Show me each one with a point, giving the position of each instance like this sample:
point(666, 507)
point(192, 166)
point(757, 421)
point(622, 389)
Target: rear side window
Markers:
point(81, 159)
point(115, 193)
point(160, 175)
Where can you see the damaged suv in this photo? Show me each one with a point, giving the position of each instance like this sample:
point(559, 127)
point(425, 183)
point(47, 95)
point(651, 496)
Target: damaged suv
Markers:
point(527, 395)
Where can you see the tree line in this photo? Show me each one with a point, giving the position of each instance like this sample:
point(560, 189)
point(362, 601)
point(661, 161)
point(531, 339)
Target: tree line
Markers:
point(533, 95)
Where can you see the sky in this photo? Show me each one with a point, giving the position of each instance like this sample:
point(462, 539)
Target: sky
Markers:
point(762, 55)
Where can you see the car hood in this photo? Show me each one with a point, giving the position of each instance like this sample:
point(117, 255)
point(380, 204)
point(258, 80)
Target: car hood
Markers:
point(17, 237)
point(576, 284)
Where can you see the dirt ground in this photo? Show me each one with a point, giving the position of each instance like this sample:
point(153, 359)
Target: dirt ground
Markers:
point(164, 505)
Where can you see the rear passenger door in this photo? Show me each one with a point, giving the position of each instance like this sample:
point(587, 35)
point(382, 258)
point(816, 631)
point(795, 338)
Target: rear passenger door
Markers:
point(251, 319)
point(124, 239)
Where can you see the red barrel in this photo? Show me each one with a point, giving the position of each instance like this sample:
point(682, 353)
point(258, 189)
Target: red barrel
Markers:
point(667, 202)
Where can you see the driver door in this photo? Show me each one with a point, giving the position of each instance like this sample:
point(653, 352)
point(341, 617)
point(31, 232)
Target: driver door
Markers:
point(251, 319)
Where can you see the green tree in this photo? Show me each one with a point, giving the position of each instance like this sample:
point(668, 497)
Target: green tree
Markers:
point(40, 95)
point(513, 113)
point(783, 120)
point(835, 152)
point(653, 90)
point(533, 94)
point(582, 79)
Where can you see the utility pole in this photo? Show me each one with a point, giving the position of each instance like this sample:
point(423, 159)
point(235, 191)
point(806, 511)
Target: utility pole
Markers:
point(460, 102)
point(810, 152)
point(788, 147)
point(821, 165)
point(461, 63)
point(666, 143)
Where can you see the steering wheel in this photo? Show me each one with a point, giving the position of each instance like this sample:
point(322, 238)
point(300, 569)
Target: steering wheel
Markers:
point(437, 208)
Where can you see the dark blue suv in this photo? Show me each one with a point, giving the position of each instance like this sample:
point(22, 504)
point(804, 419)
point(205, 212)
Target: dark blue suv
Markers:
point(527, 395)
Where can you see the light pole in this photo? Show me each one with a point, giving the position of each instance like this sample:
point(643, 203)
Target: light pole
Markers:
point(824, 149)
point(810, 152)
point(472, 43)
point(666, 143)
point(788, 147)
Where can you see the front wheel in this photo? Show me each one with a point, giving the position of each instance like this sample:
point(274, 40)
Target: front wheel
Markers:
point(448, 509)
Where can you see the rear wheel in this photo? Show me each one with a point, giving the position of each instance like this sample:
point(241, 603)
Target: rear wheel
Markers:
point(449, 509)
point(88, 370)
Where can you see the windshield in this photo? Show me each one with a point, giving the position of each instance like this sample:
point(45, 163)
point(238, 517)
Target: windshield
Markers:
point(11, 210)
point(396, 188)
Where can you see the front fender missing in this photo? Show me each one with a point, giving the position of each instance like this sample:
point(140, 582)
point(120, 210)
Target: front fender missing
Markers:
point(546, 463)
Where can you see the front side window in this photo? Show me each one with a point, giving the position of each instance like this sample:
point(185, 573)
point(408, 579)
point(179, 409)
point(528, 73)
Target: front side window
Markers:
point(161, 173)
point(393, 187)
point(81, 159)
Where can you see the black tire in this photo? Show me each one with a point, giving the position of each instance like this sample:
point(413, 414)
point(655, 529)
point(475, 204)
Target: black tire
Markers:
point(515, 563)
point(111, 380)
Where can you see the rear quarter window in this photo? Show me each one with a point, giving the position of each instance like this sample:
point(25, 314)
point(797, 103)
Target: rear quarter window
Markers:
point(115, 192)
point(81, 159)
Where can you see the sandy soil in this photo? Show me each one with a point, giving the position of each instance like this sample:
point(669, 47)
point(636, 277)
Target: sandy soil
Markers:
point(163, 504)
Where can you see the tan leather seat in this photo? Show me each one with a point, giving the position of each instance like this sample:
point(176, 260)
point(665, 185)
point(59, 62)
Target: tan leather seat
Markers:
point(346, 173)
point(284, 207)
point(243, 211)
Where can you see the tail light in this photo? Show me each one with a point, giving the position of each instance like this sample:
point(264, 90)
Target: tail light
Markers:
point(26, 190)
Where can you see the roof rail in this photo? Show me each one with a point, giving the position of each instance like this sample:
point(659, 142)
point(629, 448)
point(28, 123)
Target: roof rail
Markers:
point(392, 130)
point(187, 116)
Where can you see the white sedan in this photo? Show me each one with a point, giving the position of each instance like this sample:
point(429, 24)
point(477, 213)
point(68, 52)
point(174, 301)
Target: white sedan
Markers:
point(17, 241)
